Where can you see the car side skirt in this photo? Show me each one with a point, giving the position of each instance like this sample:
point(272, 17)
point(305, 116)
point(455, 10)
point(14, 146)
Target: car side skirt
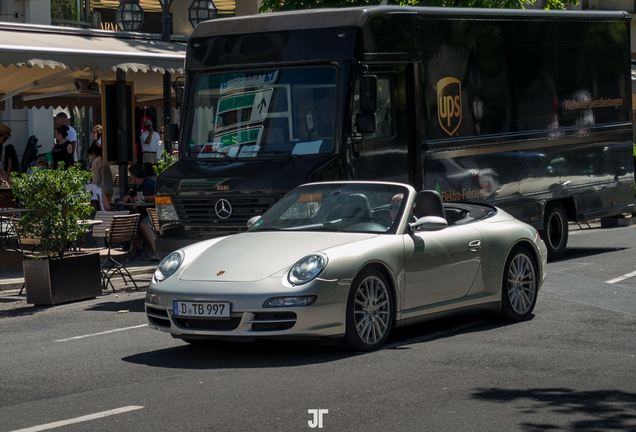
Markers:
point(436, 313)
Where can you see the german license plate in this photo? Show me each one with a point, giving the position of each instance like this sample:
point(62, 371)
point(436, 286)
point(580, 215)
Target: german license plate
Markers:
point(202, 309)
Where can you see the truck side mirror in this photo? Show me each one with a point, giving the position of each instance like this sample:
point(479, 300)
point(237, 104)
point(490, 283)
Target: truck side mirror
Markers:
point(172, 132)
point(178, 91)
point(368, 93)
point(366, 123)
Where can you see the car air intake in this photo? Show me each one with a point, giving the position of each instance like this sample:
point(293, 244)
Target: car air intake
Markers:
point(273, 321)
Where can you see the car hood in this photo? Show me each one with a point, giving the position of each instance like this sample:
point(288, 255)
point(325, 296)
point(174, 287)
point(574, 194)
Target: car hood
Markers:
point(254, 256)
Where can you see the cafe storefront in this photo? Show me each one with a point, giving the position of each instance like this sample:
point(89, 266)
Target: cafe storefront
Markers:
point(43, 68)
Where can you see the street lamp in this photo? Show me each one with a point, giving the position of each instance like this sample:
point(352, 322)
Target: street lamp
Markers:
point(129, 15)
point(201, 10)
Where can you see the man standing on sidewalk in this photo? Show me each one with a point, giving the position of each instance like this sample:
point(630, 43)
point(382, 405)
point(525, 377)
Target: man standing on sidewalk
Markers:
point(149, 141)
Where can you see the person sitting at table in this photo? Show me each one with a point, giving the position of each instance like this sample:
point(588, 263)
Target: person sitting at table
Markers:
point(41, 164)
point(98, 195)
point(150, 170)
point(146, 186)
point(102, 176)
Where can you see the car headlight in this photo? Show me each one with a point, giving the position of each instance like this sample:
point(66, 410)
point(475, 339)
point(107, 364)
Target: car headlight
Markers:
point(168, 266)
point(307, 269)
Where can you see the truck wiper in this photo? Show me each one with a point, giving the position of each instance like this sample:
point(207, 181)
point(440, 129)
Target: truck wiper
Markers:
point(279, 152)
point(226, 156)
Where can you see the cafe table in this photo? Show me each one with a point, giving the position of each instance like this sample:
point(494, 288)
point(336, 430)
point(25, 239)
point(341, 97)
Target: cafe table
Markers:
point(14, 211)
point(145, 204)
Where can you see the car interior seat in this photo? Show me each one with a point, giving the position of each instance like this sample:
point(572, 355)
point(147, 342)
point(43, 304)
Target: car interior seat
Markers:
point(429, 203)
point(357, 208)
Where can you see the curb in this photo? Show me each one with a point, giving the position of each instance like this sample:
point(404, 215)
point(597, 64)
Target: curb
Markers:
point(16, 283)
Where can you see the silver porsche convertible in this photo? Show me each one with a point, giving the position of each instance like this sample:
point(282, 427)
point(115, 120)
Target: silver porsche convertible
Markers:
point(349, 261)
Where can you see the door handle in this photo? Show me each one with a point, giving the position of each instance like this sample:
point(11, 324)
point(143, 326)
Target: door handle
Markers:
point(475, 245)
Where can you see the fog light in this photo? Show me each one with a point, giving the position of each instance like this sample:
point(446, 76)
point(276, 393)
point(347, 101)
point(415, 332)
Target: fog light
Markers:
point(290, 301)
point(152, 298)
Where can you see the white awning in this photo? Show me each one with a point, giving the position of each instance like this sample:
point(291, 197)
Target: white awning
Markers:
point(39, 63)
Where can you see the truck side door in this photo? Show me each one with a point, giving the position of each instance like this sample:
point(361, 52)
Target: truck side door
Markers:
point(383, 155)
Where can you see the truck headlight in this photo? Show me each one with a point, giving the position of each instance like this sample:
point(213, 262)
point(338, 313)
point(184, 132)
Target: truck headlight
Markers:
point(166, 212)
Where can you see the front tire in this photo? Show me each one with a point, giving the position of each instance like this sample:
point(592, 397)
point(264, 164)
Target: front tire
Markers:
point(369, 312)
point(555, 231)
point(520, 285)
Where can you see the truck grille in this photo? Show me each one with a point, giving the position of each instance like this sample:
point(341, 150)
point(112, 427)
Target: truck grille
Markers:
point(198, 213)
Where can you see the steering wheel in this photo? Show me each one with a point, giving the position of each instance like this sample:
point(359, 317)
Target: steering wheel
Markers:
point(317, 129)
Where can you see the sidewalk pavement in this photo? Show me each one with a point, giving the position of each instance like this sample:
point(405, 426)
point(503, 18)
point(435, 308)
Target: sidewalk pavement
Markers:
point(12, 275)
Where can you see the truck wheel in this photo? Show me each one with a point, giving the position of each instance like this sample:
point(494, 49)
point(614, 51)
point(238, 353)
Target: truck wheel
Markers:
point(555, 230)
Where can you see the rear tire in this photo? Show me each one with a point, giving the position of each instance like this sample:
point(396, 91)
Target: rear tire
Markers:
point(369, 312)
point(555, 231)
point(519, 287)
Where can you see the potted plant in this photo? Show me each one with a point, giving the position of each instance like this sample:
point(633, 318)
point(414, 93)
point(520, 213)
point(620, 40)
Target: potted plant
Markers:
point(55, 274)
point(166, 161)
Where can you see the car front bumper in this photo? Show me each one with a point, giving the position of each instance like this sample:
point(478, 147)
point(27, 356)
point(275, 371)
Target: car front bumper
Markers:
point(249, 319)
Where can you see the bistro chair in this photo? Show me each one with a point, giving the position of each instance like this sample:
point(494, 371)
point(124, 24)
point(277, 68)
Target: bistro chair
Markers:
point(119, 240)
point(7, 232)
point(154, 220)
point(99, 230)
point(24, 243)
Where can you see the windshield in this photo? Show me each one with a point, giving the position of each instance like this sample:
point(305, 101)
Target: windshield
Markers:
point(263, 114)
point(367, 208)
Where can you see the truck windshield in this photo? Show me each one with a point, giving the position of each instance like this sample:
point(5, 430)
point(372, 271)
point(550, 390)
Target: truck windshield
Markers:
point(274, 113)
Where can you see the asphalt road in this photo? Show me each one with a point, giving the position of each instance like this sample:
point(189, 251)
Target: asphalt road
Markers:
point(94, 365)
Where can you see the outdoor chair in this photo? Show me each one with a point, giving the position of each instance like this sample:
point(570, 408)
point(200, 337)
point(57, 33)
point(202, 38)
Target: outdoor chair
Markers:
point(24, 243)
point(7, 232)
point(154, 220)
point(119, 240)
point(99, 230)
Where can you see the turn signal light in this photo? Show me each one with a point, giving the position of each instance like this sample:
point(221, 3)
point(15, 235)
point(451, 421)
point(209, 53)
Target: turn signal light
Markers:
point(163, 200)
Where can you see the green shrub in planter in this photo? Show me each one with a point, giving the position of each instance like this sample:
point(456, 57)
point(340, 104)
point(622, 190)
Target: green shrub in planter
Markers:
point(166, 161)
point(61, 200)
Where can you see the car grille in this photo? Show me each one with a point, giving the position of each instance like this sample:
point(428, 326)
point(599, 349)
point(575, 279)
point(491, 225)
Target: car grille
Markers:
point(198, 213)
point(271, 321)
point(158, 317)
point(208, 324)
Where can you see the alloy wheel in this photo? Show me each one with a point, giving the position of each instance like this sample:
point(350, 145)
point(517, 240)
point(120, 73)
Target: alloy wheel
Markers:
point(522, 283)
point(372, 313)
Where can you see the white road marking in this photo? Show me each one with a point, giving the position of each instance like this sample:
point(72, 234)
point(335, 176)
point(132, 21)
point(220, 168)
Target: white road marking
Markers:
point(80, 419)
point(434, 335)
point(101, 333)
point(622, 278)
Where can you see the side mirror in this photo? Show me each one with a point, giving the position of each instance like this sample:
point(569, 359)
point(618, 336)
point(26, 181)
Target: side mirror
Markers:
point(366, 123)
point(172, 132)
point(178, 91)
point(429, 223)
point(368, 93)
point(252, 221)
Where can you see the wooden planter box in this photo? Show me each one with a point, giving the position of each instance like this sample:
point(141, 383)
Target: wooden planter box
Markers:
point(50, 282)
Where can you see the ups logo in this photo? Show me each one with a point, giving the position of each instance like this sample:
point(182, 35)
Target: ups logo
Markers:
point(449, 104)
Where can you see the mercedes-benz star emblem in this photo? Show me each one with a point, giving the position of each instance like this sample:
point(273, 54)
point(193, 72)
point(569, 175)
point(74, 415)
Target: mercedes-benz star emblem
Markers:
point(223, 209)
